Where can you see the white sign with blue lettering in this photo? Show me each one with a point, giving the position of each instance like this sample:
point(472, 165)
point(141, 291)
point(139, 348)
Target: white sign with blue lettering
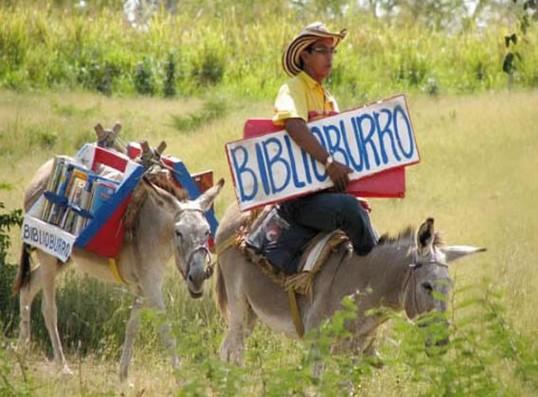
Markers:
point(369, 140)
point(47, 237)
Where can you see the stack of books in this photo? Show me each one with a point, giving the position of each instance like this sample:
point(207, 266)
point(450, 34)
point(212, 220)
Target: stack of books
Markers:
point(74, 194)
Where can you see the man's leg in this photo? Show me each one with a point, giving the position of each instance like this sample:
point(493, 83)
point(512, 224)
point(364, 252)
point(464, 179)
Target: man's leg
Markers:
point(330, 211)
point(287, 250)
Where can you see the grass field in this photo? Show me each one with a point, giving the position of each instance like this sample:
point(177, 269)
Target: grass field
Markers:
point(477, 178)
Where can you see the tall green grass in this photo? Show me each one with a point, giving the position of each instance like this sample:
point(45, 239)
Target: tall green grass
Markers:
point(238, 50)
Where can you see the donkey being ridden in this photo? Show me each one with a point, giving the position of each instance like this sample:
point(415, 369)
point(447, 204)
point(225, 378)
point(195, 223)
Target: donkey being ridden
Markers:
point(406, 273)
point(167, 227)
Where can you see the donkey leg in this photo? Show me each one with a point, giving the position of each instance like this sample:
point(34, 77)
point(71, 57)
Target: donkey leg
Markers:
point(370, 352)
point(154, 295)
point(26, 297)
point(365, 340)
point(50, 268)
point(242, 322)
point(130, 334)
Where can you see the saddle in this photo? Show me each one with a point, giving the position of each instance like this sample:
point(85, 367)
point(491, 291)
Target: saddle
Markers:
point(261, 227)
point(266, 227)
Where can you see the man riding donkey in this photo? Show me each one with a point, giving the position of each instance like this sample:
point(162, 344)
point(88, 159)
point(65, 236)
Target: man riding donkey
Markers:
point(302, 237)
point(308, 59)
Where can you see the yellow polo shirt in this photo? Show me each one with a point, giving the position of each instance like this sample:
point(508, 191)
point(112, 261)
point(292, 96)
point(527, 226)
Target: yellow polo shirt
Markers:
point(303, 97)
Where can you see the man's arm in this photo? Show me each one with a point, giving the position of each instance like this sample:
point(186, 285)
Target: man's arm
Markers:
point(300, 134)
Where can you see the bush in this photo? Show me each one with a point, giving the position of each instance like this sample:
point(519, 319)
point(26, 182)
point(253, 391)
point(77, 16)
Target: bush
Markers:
point(169, 88)
point(208, 67)
point(9, 386)
point(240, 48)
point(9, 307)
point(485, 356)
point(144, 80)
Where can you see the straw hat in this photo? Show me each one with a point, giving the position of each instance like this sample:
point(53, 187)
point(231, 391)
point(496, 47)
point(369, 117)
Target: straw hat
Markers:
point(291, 60)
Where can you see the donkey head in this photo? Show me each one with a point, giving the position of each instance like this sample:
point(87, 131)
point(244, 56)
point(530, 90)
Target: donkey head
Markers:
point(428, 282)
point(191, 233)
point(191, 238)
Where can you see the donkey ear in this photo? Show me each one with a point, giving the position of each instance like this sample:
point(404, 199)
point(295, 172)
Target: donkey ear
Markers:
point(455, 252)
point(206, 199)
point(117, 128)
point(425, 236)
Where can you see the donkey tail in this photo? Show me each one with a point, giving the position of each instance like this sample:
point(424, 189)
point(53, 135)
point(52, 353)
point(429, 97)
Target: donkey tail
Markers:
point(25, 270)
point(220, 293)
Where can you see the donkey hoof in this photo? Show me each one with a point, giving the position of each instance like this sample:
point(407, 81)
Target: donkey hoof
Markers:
point(376, 361)
point(176, 363)
point(22, 346)
point(66, 371)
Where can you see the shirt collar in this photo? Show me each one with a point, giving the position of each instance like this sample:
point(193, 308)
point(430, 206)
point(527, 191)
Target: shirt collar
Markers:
point(308, 80)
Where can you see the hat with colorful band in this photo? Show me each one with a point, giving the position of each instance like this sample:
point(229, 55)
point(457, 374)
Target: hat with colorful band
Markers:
point(291, 59)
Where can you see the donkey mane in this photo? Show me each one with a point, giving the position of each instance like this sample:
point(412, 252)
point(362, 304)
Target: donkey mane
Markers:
point(406, 236)
point(161, 179)
point(164, 180)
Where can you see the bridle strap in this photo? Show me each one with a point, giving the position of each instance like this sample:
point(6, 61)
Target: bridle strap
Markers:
point(413, 266)
point(205, 251)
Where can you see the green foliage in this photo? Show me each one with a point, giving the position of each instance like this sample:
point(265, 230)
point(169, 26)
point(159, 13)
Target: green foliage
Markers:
point(169, 88)
point(91, 317)
point(482, 343)
point(8, 308)
point(8, 303)
point(9, 385)
point(144, 80)
point(208, 66)
point(239, 48)
point(513, 60)
point(7, 221)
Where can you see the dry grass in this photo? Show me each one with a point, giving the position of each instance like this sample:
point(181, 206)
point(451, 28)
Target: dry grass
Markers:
point(476, 177)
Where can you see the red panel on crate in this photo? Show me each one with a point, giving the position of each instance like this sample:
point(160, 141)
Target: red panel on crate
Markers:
point(111, 159)
point(109, 239)
point(104, 234)
point(390, 183)
point(204, 180)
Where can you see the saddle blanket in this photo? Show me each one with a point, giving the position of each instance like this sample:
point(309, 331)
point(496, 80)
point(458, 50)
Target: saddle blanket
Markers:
point(266, 228)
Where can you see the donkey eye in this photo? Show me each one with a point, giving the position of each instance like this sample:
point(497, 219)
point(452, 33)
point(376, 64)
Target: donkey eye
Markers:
point(427, 287)
point(178, 234)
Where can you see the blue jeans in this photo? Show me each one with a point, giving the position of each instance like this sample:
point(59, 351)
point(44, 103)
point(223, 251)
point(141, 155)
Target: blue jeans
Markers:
point(320, 212)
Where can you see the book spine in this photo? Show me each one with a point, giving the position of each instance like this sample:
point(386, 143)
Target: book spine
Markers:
point(58, 165)
point(58, 209)
point(85, 198)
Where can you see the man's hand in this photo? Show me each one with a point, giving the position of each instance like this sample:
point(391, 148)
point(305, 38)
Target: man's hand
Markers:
point(301, 135)
point(338, 173)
